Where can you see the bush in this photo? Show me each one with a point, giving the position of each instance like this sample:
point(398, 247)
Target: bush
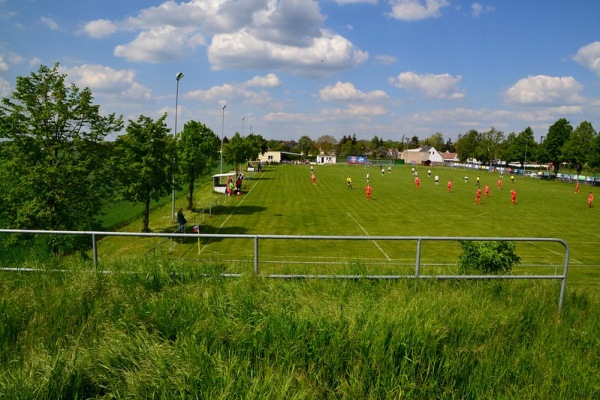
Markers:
point(488, 257)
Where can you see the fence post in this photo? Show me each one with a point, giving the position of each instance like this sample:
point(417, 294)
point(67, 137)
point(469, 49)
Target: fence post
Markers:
point(418, 263)
point(256, 255)
point(95, 252)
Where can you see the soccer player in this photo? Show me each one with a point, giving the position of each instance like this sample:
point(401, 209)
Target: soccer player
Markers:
point(513, 197)
point(450, 185)
point(313, 179)
point(428, 173)
point(487, 191)
point(368, 176)
point(368, 190)
point(478, 197)
point(437, 180)
point(382, 171)
point(418, 182)
point(499, 184)
point(389, 170)
point(477, 183)
point(577, 187)
point(512, 179)
point(591, 200)
point(349, 182)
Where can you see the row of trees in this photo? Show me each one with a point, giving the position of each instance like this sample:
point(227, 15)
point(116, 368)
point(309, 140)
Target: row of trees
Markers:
point(57, 170)
point(562, 144)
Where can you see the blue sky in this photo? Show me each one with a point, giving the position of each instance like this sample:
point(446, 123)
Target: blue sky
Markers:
point(288, 68)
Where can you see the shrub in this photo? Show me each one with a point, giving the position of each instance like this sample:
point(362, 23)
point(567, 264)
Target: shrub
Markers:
point(487, 257)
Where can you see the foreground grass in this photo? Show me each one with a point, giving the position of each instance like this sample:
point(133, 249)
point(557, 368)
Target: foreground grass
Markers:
point(168, 331)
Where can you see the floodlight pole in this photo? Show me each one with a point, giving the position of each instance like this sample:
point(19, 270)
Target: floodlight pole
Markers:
point(177, 78)
point(222, 134)
point(243, 118)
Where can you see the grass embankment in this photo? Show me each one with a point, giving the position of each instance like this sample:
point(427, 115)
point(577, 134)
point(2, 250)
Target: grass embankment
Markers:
point(164, 331)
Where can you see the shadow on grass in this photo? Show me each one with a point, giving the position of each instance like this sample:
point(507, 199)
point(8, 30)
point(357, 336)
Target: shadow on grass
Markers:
point(239, 210)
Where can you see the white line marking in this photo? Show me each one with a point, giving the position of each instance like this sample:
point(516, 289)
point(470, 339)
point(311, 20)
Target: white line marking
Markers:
point(571, 259)
point(367, 233)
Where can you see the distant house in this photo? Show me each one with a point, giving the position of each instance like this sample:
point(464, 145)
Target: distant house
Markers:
point(450, 158)
point(425, 155)
point(326, 159)
point(276, 157)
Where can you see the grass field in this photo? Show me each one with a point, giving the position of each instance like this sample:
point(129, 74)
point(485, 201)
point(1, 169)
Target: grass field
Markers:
point(281, 200)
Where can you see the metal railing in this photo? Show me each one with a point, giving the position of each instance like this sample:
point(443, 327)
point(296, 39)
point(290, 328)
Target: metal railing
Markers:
point(256, 254)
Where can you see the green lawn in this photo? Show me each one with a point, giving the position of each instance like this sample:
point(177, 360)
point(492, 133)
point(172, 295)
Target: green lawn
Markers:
point(281, 200)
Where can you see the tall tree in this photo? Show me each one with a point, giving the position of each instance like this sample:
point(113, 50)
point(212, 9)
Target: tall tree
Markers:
point(594, 154)
point(489, 147)
point(557, 136)
point(306, 145)
point(521, 147)
point(467, 145)
point(147, 154)
point(198, 154)
point(576, 149)
point(239, 149)
point(326, 143)
point(436, 140)
point(54, 161)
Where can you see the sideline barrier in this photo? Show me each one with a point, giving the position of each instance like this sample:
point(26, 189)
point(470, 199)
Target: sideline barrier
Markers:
point(256, 240)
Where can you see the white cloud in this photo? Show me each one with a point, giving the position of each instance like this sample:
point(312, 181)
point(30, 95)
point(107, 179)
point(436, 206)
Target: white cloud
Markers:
point(269, 80)
point(441, 86)
point(50, 23)
point(3, 64)
point(228, 93)
point(4, 88)
point(478, 9)
point(345, 91)
point(255, 34)
point(385, 59)
point(164, 43)
point(326, 54)
point(100, 28)
point(589, 56)
point(356, 1)
point(543, 89)
point(413, 10)
point(105, 79)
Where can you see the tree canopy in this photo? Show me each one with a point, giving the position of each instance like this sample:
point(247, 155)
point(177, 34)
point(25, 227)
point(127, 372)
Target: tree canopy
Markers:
point(146, 155)
point(55, 171)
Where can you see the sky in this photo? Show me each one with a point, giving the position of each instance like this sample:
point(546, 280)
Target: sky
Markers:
point(288, 68)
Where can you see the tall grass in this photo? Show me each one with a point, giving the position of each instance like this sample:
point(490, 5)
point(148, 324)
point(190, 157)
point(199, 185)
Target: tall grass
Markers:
point(168, 330)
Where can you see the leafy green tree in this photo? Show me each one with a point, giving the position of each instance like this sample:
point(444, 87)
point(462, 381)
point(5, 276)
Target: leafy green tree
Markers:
point(489, 147)
point(306, 145)
point(241, 149)
point(197, 153)
point(326, 143)
point(467, 145)
point(54, 169)
point(594, 154)
point(521, 147)
point(436, 140)
point(557, 136)
point(146, 154)
point(576, 149)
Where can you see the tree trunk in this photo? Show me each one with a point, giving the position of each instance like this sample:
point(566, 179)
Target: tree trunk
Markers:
point(146, 214)
point(191, 195)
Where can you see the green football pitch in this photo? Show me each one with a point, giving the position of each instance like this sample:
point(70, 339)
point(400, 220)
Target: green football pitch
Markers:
point(282, 200)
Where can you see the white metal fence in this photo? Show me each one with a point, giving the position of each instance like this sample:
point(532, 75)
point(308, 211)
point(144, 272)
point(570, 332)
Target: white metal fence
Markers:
point(417, 275)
